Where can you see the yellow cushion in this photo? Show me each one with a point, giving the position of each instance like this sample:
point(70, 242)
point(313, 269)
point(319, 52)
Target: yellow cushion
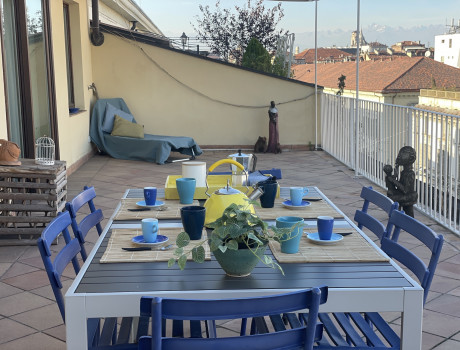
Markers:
point(122, 127)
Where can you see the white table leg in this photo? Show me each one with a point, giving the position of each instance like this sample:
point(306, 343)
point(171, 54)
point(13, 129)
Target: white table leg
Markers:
point(412, 318)
point(75, 319)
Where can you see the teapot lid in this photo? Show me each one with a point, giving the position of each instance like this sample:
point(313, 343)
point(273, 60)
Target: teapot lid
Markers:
point(227, 190)
point(239, 154)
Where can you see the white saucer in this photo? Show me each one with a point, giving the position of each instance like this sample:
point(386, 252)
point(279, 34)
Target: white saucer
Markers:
point(314, 238)
point(156, 205)
point(139, 240)
point(288, 204)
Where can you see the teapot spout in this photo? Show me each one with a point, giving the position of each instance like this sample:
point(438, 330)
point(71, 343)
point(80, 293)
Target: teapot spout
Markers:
point(258, 191)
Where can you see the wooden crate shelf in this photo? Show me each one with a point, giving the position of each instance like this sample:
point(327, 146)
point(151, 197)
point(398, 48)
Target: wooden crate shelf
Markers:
point(31, 196)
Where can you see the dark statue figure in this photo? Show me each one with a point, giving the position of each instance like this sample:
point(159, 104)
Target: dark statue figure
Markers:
point(402, 189)
point(273, 133)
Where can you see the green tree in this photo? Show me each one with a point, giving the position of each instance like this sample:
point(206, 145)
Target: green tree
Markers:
point(341, 85)
point(228, 33)
point(256, 57)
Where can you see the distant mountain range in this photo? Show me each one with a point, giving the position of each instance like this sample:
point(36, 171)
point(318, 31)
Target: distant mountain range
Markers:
point(374, 32)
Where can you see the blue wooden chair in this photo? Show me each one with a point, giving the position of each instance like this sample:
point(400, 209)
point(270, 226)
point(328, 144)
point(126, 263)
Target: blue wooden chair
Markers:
point(88, 222)
point(364, 219)
point(368, 330)
point(302, 337)
point(97, 336)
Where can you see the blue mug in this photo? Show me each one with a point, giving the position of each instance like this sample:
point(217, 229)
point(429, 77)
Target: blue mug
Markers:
point(270, 188)
point(186, 189)
point(297, 194)
point(325, 226)
point(290, 242)
point(150, 230)
point(193, 220)
point(150, 195)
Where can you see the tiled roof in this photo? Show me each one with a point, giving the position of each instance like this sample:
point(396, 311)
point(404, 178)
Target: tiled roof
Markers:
point(323, 54)
point(402, 74)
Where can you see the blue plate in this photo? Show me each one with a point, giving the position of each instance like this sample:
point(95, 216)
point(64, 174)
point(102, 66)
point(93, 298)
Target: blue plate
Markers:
point(156, 205)
point(314, 238)
point(139, 240)
point(288, 204)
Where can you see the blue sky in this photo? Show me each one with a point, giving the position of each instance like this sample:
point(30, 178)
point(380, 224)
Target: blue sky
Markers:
point(173, 17)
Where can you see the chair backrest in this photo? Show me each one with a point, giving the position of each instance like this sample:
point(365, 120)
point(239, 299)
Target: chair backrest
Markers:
point(88, 222)
point(364, 219)
point(55, 267)
point(400, 221)
point(182, 309)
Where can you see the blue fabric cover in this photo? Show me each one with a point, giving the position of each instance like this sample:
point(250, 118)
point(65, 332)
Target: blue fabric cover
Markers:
point(152, 148)
point(110, 112)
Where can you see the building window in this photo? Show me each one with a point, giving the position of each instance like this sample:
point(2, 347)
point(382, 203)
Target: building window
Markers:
point(68, 54)
point(442, 41)
point(442, 59)
point(450, 43)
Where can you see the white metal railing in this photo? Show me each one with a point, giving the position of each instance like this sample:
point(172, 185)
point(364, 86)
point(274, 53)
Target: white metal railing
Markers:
point(381, 130)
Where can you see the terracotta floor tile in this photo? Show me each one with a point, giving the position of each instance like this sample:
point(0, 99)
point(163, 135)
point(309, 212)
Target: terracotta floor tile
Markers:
point(21, 302)
point(18, 269)
point(429, 341)
point(56, 332)
point(42, 318)
point(37, 341)
point(29, 280)
point(445, 304)
point(448, 345)
point(440, 324)
point(6, 290)
point(11, 253)
point(3, 268)
point(10, 330)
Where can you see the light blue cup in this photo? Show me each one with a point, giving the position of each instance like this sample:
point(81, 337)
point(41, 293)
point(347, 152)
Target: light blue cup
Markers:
point(290, 246)
point(186, 189)
point(297, 194)
point(150, 230)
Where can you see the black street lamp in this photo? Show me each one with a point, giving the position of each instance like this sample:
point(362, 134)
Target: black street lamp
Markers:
point(183, 39)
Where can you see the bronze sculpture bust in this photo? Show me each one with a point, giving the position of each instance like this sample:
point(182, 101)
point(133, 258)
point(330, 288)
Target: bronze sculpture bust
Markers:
point(402, 189)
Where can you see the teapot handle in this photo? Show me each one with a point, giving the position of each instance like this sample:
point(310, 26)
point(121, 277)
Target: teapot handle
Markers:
point(225, 161)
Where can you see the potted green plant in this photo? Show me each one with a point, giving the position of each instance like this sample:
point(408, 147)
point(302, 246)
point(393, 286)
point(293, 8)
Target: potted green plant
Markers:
point(238, 241)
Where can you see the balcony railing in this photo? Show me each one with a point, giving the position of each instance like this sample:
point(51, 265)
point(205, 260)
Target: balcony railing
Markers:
point(371, 138)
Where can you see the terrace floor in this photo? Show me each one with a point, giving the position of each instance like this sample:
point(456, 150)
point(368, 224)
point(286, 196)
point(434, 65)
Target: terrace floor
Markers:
point(30, 319)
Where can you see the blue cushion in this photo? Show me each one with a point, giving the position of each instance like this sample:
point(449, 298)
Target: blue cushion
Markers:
point(109, 118)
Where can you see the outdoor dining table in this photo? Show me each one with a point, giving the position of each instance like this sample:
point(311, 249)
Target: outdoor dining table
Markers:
point(114, 289)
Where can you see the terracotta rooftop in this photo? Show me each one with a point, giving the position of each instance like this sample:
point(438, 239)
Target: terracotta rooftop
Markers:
point(402, 74)
point(323, 54)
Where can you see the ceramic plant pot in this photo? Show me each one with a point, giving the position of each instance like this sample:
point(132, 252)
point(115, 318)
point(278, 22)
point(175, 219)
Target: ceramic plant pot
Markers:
point(241, 262)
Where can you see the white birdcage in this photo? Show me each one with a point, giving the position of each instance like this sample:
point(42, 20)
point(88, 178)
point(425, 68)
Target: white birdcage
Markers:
point(44, 151)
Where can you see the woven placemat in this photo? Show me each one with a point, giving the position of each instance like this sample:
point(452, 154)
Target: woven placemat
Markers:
point(352, 248)
point(171, 210)
point(122, 238)
point(311, 212)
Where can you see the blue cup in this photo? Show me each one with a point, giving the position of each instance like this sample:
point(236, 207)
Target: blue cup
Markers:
point(186, 189)
point(193, 220)
point(270, 188)
point(325, 226)
point(290, 242)
point(150, 195)
point(150, 230)
point(297, 194)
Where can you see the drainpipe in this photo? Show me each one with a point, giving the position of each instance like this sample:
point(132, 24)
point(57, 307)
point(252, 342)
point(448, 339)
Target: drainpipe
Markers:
point(97, 38)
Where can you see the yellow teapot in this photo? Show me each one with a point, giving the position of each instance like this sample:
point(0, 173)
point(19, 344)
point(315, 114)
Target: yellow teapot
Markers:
point(223, 197)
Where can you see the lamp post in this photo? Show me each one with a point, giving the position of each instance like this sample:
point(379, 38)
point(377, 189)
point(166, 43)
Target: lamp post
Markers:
point(183, 39)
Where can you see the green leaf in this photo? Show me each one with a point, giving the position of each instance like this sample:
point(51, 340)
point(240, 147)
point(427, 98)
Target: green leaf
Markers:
point(182, 240)
point(182, 261)
point(254, 238)
point(232, 244)
point(223, 248)
point(198, 254)
point(179, 251)
point(171, 262)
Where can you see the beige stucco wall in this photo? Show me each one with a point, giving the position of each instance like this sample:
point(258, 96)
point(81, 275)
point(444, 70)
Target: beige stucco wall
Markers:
point(73, 130)
point(399, 99)
point(147, 82)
